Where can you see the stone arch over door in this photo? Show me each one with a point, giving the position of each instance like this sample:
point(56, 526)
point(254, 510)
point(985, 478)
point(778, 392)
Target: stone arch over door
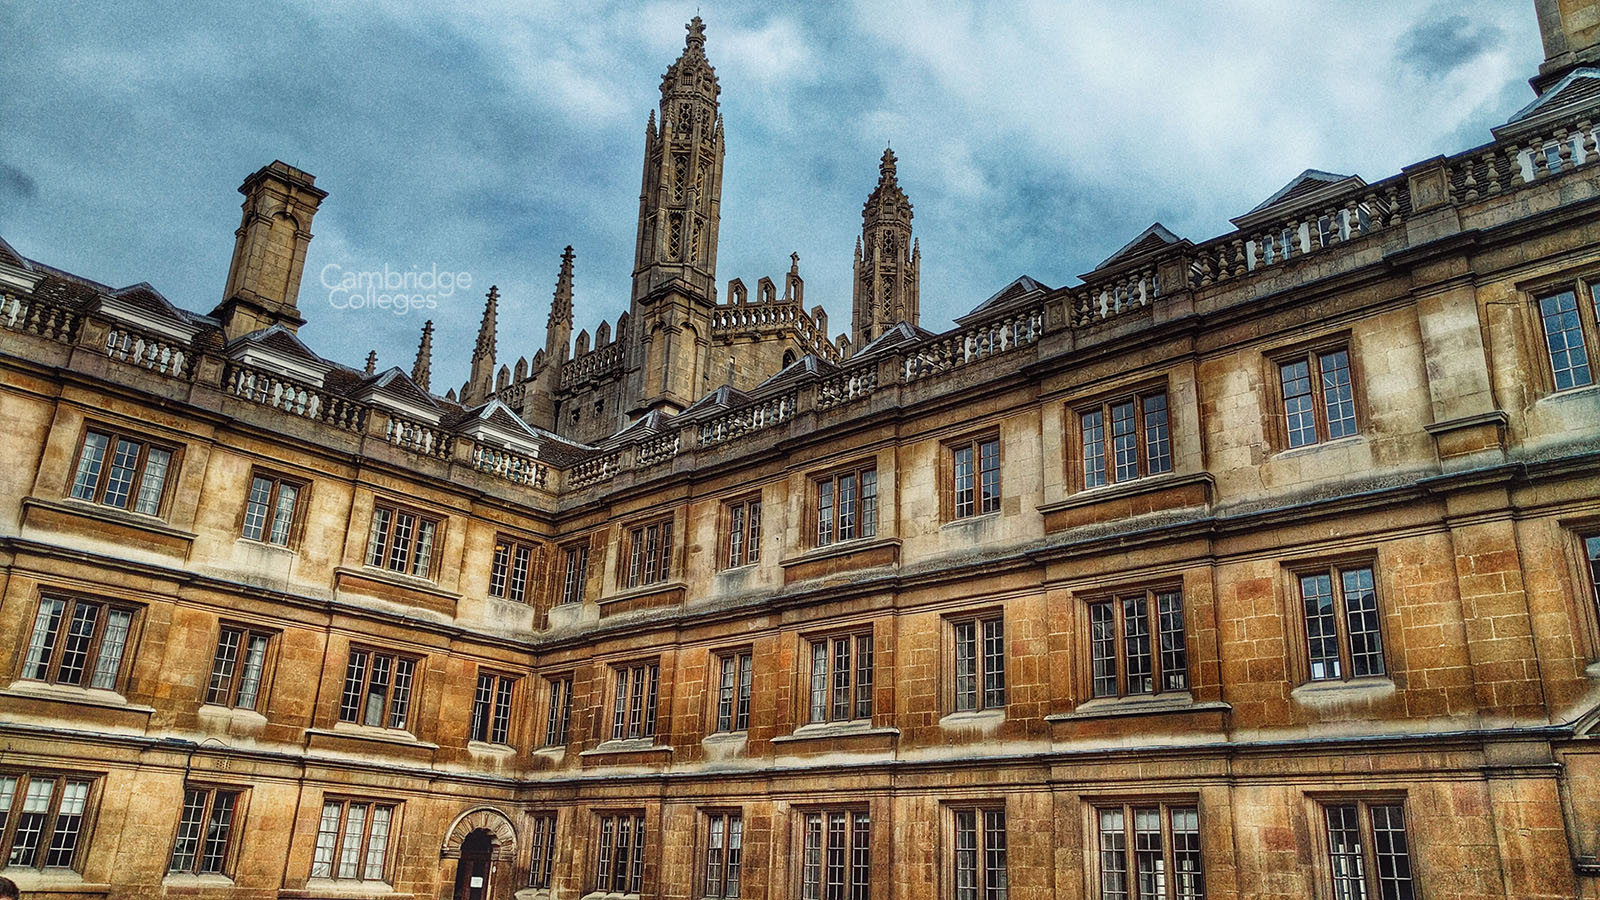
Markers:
point(488, 818)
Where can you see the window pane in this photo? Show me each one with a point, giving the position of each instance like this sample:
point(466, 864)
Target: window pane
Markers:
point(119, 481)
point(80, 634)
point(256, 508)
point(378, 843)
point(1136, 645)
point(841, 679)
point(154, 482)
point(378, 542)
point(811, 859)
point(746, 676)
point(966, 640)
point(1124, 442)
point(422, 563)
point(218, 828)
point(186, 846)
point(69, 821)
point(1336, 394)
point(735, 855)
point(994, 664)
point(499, 569)
point(1103, 649)
point(819, 681)
point(327, 839)
point(1322, 638)
point(220, 688)
point(1392, 856)
point(1563, 334)
point(864, 676)
point(847, 507)
point(964, 489)
point(42, 643)
point(109, 661)
point(1147, 852)
point(1299, 416)
point(354, 676)
point(400, 697)
point(283, 514)
point(1113, 856)
point(869, 503)
point(1157, 435)
point(1361, 616)
point(1344, 853)
point(355, 826)
point(966, 855)
point(1094, 449)
point(1174, 648)
point(250, 680)
point(90, 462)
point(989, 477)
point(996, 878)
point(377, 691)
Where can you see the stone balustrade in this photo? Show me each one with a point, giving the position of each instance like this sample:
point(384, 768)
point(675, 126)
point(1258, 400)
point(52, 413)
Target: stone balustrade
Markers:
point(594, 471)
point(657, 450)
point(757, 416)
point(149, 351)
point(514, 467)
point(41, 317)
point(597, 363)
point(847, 386)
point(1100, 300)
point(974, 343)
point(293, 397)
point(427, 440)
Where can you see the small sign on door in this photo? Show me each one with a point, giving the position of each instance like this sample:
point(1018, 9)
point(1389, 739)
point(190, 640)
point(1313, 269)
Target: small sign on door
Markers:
point(477, 881)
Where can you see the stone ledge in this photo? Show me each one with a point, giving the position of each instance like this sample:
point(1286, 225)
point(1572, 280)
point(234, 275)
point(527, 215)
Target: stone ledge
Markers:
point(1154, 493)
point(637, 745)
point(154, 533)
point(1108, 708)
point(831, 731)
point(841, 557)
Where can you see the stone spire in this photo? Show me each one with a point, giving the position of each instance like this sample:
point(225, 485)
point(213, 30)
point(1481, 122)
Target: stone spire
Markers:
point(558, 330)
point(680, 199)
point(422, 369)
point(887, 261)
point(480, 383)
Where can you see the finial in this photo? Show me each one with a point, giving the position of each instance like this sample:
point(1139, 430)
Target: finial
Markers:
point(794, 263)
point(422, 369)
point(697, 33)
point(886, 165)
point(372, 362)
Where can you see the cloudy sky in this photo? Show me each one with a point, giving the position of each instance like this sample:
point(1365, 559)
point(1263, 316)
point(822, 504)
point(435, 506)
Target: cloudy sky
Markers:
point(482, 137)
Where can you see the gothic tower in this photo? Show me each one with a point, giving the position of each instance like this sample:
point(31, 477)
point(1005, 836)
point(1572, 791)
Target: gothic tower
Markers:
point(675, 261)
point(887, 261)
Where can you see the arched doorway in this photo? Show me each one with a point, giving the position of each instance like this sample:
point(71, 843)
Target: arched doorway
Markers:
point(476, 869)
point(483, 846)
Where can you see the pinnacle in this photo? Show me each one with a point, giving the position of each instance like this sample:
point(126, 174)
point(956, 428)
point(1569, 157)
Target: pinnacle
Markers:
point(886, 165)
point(697, 33)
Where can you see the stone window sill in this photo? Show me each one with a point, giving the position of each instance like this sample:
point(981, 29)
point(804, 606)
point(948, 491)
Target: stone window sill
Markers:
point(282, 549)
point(113, 515)
point(371, 733)
point(398, 579)
point(1348, 689)
point(53, 881)
point(643, 590)
point(821, 731)
point(841, 548)
point(1347, 441)
point(1120, 489)
point(186, 881)
point(491, 749)
point(726, 737)
point(104, 699)
point(346, 888)
point(233, 713)
point(633, 745)
point(1157, 704)
point(967, 718)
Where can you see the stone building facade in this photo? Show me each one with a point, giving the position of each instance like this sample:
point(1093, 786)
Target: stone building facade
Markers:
point(1260, 566)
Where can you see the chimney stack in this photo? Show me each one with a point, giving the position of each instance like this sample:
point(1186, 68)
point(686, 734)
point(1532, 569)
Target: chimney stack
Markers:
point(269, 251)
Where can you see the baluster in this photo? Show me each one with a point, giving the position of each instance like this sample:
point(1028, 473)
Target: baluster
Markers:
point(1586, 140)
point(1469, 185)
point(1564, 149)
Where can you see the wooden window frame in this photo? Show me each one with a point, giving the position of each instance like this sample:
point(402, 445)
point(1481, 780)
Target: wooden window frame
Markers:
point(979, 504)
point(1319, 805)
point(641, 566)
point(826, 518)
point(1312, 353)
point(1302, 665)
point(982, 849)
point(293, 534)
point(739, 663)
point(860, 693)
point(575, 590)
point(385, 547)
point(391, 838)
point(1096, 858)
point(506, 577)
point(984, 697)
point(56, 650)
point(199, 855)
point(1146, 463)
point(45, 843)
point(558, 709)
point(542, 847)
point(500, 725)
point(741, 532)
point(1161, 664)
point(855, 861)
point(1584, 288)
point(727, 880)
point(103, 477)
point(634, 710)
point(1587, 545)
point(229, 692)
point(608, 843)
point(412, 688)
